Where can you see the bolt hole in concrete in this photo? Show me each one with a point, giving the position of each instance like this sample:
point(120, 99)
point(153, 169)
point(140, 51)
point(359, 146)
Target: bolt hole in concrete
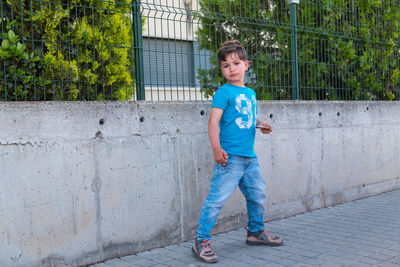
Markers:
point(99, 134)
point(320, 114)
point(271, 115)
point(141, 119)
point(338, 113)
point(101, 121)
point(202, 112)
point(367, 108)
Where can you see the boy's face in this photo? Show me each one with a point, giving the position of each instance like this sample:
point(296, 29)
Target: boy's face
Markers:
point(233, 69)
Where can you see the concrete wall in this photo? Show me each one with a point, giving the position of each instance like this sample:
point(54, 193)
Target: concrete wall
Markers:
point(83, 182)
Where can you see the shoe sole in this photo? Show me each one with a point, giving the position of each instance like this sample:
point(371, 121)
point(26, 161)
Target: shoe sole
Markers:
point(201, 259)
point(254, 243)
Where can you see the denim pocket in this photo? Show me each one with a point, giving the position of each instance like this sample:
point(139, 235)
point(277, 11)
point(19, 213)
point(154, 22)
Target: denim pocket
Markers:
point(220, 169)
point(232, 165)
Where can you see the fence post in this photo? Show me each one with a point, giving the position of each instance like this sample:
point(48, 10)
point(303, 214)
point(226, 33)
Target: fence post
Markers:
point(138, 43)
point(295, 70)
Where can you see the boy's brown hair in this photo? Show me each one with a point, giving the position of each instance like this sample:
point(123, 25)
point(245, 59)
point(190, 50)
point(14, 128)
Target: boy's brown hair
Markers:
point(230, 47)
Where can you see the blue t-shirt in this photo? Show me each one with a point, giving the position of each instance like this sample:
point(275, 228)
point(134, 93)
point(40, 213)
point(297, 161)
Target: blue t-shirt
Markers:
point(238, 122)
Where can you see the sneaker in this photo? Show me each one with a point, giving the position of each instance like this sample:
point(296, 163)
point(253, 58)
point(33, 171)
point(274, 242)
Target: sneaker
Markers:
point(263, 238)
point(203, 251)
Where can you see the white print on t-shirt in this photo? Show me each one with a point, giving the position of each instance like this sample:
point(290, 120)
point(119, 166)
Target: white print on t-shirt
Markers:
point(245, 107)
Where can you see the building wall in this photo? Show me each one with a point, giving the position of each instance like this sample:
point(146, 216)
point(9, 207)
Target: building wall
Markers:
point(170, 19)
point(86, 181)
point(171, 53)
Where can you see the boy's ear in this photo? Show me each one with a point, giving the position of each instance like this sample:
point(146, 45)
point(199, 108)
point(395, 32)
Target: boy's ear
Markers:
point(246, 64)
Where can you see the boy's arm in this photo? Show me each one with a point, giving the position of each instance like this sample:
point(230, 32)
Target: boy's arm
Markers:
point(220, 156)
point(264, 126)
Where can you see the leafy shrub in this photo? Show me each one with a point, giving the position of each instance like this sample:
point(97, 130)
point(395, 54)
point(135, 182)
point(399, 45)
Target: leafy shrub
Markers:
point(21, 69)
point(81, 50)
point(346, 50)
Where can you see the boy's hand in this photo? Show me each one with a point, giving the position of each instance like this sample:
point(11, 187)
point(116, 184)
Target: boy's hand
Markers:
point(220, 156)
point(264, 126)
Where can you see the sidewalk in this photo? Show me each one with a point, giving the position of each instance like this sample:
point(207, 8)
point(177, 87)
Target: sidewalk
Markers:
point(365, 232)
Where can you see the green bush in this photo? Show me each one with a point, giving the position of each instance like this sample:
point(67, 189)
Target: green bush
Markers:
point(21, 70)
point(78, 50)
point(346, 50)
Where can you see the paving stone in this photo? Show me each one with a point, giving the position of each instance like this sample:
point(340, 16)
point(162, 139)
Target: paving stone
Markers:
point(188, 244)
point(395, 260)
point(370, 260)
point(118, 263)
point(389, 252)
point(234, 263)
point(177, 263)
point(352, 257)
point(252, 260)
point(288, 262)
point(139, 261)
point(381, 257)
point(159, 258)
point(265, 256)
point(178, 249)
point(395, 248)
point(299, 258)
point(361, 264)
point(388, 264)
point(313, 261)
point(326, 258)
point(186, 258)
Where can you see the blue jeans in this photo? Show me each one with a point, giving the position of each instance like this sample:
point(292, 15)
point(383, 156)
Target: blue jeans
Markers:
point(242, 171)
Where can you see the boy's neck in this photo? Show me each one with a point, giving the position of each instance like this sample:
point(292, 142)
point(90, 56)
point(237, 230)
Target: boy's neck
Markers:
point(239, 84)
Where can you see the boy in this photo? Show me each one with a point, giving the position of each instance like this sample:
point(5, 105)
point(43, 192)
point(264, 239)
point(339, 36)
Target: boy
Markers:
point(231, 129)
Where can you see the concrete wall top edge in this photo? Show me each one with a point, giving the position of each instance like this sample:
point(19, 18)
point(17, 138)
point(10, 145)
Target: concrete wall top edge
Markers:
point(186, 102)
point(35, 121)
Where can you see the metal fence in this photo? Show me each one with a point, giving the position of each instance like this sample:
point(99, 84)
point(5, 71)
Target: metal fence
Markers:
point(166, 50)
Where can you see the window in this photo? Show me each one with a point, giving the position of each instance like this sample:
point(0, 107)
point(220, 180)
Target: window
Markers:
point(168, 63)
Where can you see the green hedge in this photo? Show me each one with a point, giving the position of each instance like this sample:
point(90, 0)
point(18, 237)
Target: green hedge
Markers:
point(66, 50)
point(347, 50)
